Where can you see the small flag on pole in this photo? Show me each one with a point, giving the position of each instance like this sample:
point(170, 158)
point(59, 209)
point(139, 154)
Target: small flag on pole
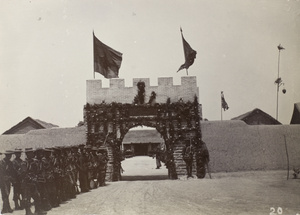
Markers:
point(189, 54)
point(224, 103)
point(107, 61)
point(280, 47)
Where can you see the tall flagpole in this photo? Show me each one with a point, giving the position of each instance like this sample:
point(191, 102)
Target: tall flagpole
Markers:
point(94, 54)
point(221, 114)
point(287, 157)
point(221, 111)
point(279, 80)
point(277, 85)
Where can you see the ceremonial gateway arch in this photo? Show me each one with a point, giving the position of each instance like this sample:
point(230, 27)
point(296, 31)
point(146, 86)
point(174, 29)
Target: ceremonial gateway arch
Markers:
point(173, 110)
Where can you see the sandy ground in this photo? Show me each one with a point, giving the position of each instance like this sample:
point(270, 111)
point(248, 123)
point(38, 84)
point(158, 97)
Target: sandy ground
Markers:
point(145, 190)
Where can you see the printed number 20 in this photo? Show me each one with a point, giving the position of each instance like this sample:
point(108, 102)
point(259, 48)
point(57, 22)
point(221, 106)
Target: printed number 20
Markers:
point(273, 211)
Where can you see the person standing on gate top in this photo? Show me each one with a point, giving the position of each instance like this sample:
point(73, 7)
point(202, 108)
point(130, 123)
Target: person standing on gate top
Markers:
point(187, 155)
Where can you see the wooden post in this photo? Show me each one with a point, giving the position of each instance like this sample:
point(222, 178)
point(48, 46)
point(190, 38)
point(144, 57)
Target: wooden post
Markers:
point(287, 157)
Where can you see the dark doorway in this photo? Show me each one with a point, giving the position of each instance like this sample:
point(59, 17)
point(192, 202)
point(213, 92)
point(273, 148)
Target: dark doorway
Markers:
point(140, 149)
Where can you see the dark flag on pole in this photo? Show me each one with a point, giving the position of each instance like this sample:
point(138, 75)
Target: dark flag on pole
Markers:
point(189, 54)
point(107, 61)
point(280, 47)
point(224, 103)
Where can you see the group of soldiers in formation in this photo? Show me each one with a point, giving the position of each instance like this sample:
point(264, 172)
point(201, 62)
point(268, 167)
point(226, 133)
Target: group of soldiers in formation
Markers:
point(50, 176)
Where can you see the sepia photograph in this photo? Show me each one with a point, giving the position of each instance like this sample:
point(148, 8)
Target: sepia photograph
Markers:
point(148, 107)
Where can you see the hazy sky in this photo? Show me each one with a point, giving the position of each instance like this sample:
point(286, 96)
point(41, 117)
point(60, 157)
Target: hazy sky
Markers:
point(46, 53)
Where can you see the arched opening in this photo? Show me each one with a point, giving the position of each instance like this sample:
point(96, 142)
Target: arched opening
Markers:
point(178, 123)
point(143, 152)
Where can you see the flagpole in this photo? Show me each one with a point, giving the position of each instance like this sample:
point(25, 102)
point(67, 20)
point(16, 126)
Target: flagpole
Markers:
point(94, 54)
point(221, 115)
point(221, 112)
point(287, 157)
point(221, 108)
point(279, 80)
point(278, 84)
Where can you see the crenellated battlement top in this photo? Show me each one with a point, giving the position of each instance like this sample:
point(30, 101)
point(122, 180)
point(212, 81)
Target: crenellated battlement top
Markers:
point(117, 92)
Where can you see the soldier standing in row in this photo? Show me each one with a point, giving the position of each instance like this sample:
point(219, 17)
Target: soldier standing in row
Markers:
point(57, 173)
point(69, 176)
point(50, 179)
point(88, 151)
point(93, 167)
point(75, 157)
point(6, 172)
point(83, 170)
point(29, 183)
point(17, 197)
point(41, 179)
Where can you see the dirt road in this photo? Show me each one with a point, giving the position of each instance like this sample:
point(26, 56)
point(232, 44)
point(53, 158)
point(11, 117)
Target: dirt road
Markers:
point(226, 193)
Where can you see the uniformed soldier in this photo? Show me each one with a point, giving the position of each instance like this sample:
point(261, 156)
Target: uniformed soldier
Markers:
point(102, 160)
point(202, 159)
point(158, 155)
point(50, 187)
point(88, 150)
point(64, 181)
point(187, 154)
point(170, 164)
point(118, 157)
point(29, 182)
point(83, 170)
point(41, 179)
point(57, 172)
point(17, 197)
point(75, 159)
point(70, 183)
point(94, 166)
point(6, 174)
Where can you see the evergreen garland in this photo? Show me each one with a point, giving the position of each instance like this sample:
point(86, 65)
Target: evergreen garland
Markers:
point(173, 120)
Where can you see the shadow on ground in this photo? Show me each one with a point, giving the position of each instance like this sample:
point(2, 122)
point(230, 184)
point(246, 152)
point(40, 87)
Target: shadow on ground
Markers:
point(144, 177)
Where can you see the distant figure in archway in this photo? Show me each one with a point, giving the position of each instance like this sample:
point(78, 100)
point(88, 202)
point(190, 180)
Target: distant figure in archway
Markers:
point(157, 155)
